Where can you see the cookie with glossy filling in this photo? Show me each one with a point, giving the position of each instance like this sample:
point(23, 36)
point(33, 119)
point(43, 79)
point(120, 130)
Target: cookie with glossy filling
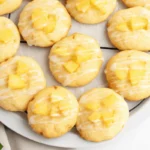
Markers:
point(44, 22)
point(90, 11)
point(20, 79)
point(103, 114)
point(128, 73)
point(8, 6)
point(76, 60)
point(9, 39)
point(53, 112)
point(129, 29)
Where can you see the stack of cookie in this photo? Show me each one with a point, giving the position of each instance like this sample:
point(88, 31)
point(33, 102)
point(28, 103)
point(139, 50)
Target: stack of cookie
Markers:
point(74, 61)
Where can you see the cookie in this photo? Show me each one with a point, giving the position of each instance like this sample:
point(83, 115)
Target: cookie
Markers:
point(8, 6)
point(129, 29)
point(53, 112)
point(128, 73)
point(90, 11)
point(133, 3)
point(103, 114)
point(9, 39)
point(76, 60)
point(20, 79)
point(44, 22)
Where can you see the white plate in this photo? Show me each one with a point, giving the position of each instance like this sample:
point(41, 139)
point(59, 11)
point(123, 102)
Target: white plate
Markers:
point(18, 122)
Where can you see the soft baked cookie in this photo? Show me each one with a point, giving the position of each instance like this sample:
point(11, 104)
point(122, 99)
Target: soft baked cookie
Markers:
point(103, 114)
point(9, 39)
point(8, 6)
point(75, 60)
point(53, 112)
point(128, 73)
point(129, 29)
point(44, 22)
point(90, 11)
point(20, 79)
point(133, 3)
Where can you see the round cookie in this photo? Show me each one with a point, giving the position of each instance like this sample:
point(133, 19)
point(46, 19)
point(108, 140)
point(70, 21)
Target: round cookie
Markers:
point(129, 29)
point(103, 114)
point(75, 60)
point(44, 22)
point(53, 112)
point(20, 79)
point(9, 39)
point(128, 73)
point(90, 11)
point(8, 6)
point(133, 3)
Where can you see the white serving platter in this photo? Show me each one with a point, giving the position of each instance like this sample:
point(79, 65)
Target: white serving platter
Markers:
point(18, 122)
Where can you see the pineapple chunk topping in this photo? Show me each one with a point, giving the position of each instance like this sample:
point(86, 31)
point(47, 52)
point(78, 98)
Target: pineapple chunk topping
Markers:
point(54, 98)
point(71, 66)
point(51, 24)
point(137, 72)
point(135, 23)
point(138, 23)
point(107, 118)
point(22, 68)
point(61, 52)
point(121, 74)
point(60, 108)
point(56, 106)
point(99, 5)
point(109, 101)
point(54, 112)
point(92, 106)
point(82, 54)
point(16, 82)
point(6, 35)
point(95, 117)
point(123, 27)
point(43, 21)
point(41, 108)
point(83, 5)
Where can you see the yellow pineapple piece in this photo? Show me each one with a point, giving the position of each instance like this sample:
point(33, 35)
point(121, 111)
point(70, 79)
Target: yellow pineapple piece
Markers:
point(40, 23)
point(99, 5)
point(55, 97)
point(71, 66)
point(83, 5)
point(138, 23)
point(79, 59)
point(107, 118)
point(121, 74)
point(51, 24)
point(94, 117)
point(6, 35)
point(82, 54)
point(137, 72)
point(22, 68)
point(16, 82)
point(39, 18)
point(123, 27)
point(92, 106)
point(41, 108)
point(54, 112)
point(63, 52)
point(109, 100)
point(2, 1)
point(64, 105)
